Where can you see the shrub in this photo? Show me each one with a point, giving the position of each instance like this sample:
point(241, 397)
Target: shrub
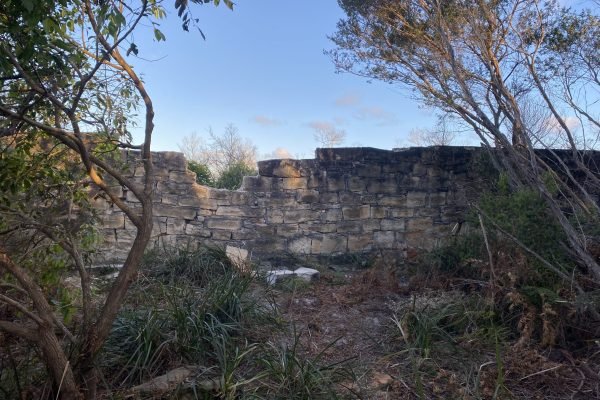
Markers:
point(231, 178)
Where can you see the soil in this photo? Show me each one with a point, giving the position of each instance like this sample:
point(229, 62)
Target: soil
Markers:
point(347, 317)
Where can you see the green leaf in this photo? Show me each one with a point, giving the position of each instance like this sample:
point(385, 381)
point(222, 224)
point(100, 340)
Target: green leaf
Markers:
point(28, 4)
point(158, 35)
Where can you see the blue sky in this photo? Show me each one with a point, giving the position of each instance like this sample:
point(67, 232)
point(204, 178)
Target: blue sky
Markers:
point(262, 68)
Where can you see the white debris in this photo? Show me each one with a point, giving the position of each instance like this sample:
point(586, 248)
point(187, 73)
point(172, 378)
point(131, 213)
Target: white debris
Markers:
point(308, 274)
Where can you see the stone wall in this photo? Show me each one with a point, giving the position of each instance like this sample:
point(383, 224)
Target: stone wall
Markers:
point(346, 200)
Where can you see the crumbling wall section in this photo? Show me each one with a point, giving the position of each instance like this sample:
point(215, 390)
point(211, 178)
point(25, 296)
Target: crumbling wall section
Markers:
point(346, 200)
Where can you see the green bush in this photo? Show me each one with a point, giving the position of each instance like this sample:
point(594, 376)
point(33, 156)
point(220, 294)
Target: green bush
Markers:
point(203, 174)
point(232, 177)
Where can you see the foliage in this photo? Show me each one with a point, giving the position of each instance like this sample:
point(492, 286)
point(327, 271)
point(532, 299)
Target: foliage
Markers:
point(203, 174)
point(68, 101)
point(492, 66)
point(231, 178)
point(221, 152)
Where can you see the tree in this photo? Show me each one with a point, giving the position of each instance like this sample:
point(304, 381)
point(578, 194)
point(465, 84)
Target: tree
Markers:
point(221, 152)
point(232, 177)
point(479, 61)
point(67, 91)
point(327, 135)
point(203, 174)
point(439, 135)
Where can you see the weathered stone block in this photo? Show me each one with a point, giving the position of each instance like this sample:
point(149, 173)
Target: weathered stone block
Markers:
point(386, 185)
point(201, 202)
point(239, 198)
point(437, 198)
point(221, 235)
point(194, 228)
point(419, 224)
point(240, 211)
point(378, 212)
point(228, 223)
point(361, 212)
point(394, 201)
point(295, 216)
point(370, 225)
point(257, 183)
point(317, 227)
point(358, 243)
point(384, 239)
point(301, 245)
point(392, 224)
point(328, 197)
point(175, 226)
point(287, 229)
point(307, 196)
point(416, 199)
point(332, 215)
point(187, 177)
point(336, 182)
point(294, 183)
point(274, 216)
point(167, 198)
point(332, 243)
point(114, 220)
point(369, 171)
point(349, 226)
point(356, 184)
point(172, 211)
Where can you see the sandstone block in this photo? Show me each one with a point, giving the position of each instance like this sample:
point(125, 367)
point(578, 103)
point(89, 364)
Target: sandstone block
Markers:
point(274, 216)
point(385, 185)
point(114, 221)
point(172, 211)
point(227, 223)
point(335, 182)
point(369, 171)
point(394, 201)
point(378, 212)
point(370, 225)
point(392, 224)
point(317, 227)
point(294, 183)
point(220, 235)
point(329, 197)
point(287, 229)
point(416, 199)
point(419, 224)
point(194, 228)
point(349, 226)
point(187, 177)
point(257, 183)
point(357, 243)
point(360, 212)
point(175, 226)
point(168, 198)
point(384, 239)
point(332, 243)
point(333, 215)
point(240, 211)
point(356, 184)
point(300, 245)
point(307, 196)
point(296, 216)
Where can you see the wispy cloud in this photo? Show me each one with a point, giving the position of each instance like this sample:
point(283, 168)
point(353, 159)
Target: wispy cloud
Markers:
point(278, 154)
point(348, 99)
point(321, 125)
point(265, 121)
point(376, 113)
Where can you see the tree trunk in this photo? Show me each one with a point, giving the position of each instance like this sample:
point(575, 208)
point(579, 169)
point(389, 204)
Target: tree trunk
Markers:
point(60, 369)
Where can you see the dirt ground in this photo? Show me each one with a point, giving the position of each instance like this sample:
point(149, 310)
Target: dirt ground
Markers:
point(348, 317)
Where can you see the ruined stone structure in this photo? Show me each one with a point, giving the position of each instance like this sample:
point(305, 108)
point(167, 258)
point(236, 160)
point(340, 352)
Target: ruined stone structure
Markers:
point(346, 200)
